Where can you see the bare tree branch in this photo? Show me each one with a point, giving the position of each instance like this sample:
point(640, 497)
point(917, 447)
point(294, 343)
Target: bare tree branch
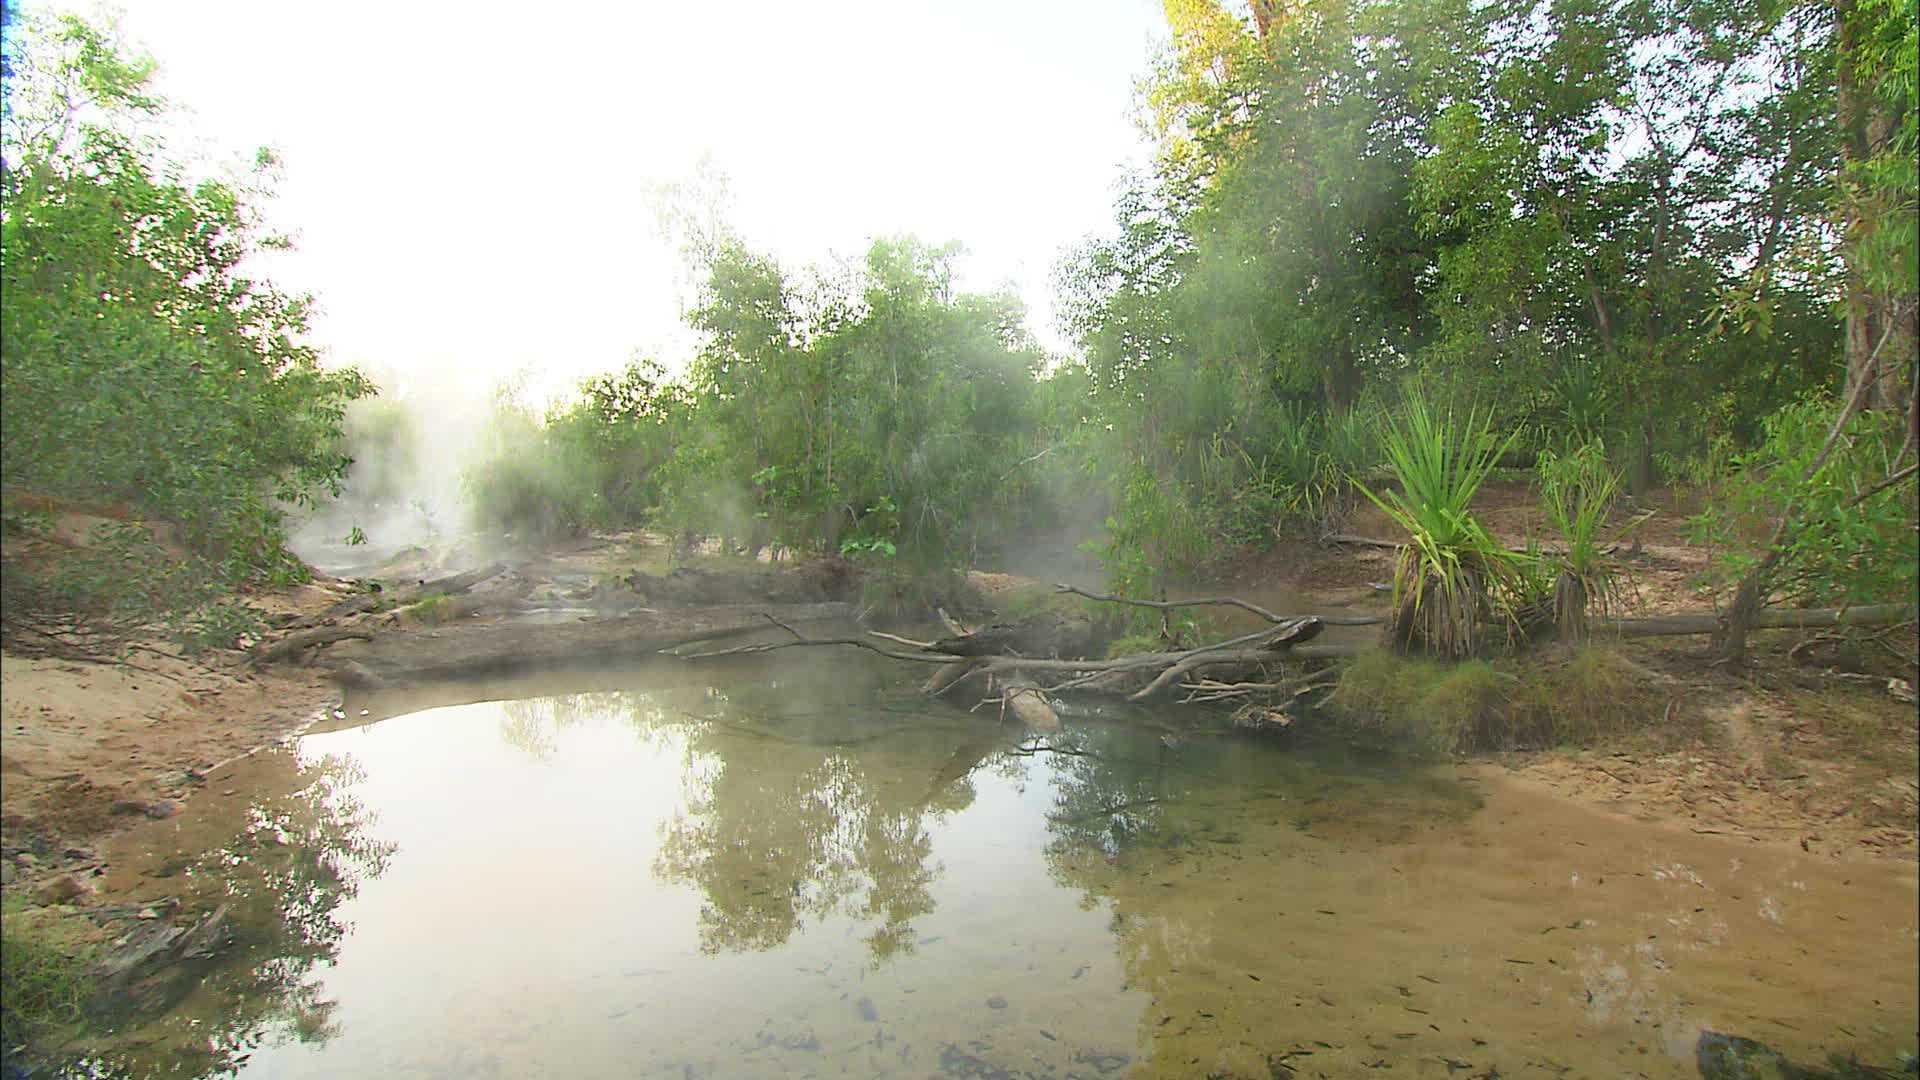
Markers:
point(1220, 601)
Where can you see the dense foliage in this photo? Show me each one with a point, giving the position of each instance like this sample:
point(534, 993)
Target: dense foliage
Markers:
point(881, 413)
point(1576, 223)
point(143, 365)
point(1643, 225)
point(1646, 241)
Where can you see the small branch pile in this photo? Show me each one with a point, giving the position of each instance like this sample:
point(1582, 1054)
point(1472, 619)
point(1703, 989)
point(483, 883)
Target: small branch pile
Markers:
point(1017, 667)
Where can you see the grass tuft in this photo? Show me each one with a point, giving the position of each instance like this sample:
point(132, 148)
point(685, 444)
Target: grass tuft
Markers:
point(1423, 705)
point(45, 967)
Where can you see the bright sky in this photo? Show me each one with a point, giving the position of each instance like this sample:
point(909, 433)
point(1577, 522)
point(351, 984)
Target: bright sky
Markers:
point(468, 184)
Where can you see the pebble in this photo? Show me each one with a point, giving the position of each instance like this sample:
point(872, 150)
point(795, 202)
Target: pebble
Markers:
point(996, 1002)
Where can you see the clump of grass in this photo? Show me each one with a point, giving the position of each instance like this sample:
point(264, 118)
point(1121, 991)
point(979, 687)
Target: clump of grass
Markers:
point(1453, 574)
point(1591, 695)
point(1577, 489)
point(1431, 706)
point(432, 610)
point(1421, 705)
point(1133, 644)
point(45, 972)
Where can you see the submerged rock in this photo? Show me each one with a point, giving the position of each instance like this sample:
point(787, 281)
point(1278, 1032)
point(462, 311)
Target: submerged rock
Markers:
point(63, 890)
point(157, 809)
point(159, 964)
point(1731, 1057)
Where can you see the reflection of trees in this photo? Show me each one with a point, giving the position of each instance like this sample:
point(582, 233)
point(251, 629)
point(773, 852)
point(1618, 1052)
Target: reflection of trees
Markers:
point(299, 850)
point(807, 794)
point(806, 799)
point(531, 725)
point(776, 833)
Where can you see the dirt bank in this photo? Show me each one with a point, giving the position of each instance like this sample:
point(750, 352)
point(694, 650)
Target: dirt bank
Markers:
point(89, 747)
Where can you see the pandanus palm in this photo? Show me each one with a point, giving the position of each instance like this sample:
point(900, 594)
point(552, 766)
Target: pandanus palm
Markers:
point(1452, 575)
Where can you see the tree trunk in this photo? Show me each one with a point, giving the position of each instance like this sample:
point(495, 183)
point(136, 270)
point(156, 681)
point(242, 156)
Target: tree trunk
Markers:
point(1880, 324)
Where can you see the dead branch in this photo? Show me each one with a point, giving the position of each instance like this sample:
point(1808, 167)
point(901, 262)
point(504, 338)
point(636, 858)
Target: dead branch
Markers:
point(1219, 601)
point(950, 676)
point(770, 646)
point(1361, 541)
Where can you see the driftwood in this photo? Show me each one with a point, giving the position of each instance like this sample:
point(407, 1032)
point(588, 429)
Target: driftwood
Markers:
point(1018, 694)
point(453, 652)
point(1137, 677)
point(1030, 705)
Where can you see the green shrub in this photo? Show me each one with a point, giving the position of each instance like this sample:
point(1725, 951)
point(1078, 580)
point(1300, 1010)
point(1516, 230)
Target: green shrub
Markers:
point(1850, 546)
point(1577, 489)
point(139, 363)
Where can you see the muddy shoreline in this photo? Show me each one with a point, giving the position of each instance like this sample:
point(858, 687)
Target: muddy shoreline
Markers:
point(87, 743)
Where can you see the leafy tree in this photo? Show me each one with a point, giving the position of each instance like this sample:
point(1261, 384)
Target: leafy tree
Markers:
point(879, 413)
point(143, 364)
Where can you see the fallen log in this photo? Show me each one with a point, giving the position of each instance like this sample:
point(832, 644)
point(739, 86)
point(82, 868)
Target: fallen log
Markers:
point(293, 644)
point(452, 585)
point(1395, 545)
point(1028, 702)
point(1029, 705)
point(453, 652)
point(1362, 541)
point(1772, 618)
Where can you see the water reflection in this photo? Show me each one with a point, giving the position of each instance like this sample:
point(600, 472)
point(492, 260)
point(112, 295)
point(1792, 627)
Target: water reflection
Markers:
point(791, 815)
point(808, 869)
point(282, 861)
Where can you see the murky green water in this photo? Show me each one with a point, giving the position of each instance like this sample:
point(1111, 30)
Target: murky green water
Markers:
point(807, 870)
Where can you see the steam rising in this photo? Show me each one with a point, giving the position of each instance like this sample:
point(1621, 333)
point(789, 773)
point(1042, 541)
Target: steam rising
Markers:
point(413, 447)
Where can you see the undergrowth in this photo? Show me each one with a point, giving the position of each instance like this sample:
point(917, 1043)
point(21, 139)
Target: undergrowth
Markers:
point(1582, 696)
point(44, 965)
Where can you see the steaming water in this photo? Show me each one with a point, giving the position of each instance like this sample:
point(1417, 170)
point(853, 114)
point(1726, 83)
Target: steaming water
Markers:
point(808, 871)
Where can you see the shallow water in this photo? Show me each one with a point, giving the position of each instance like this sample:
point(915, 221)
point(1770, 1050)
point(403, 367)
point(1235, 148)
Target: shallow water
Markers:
point(806, 870)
